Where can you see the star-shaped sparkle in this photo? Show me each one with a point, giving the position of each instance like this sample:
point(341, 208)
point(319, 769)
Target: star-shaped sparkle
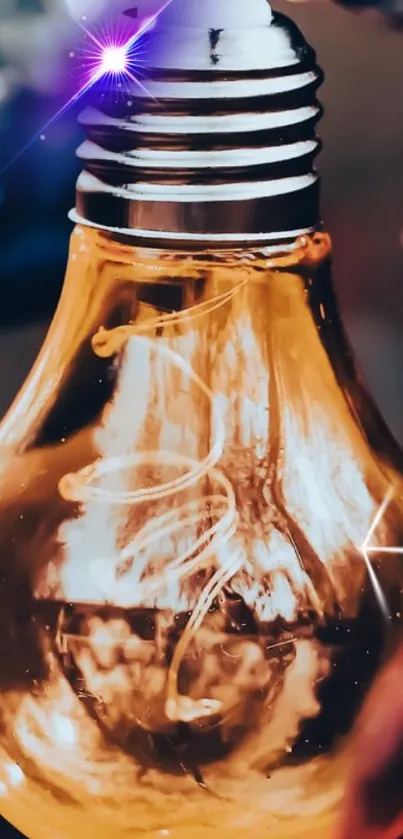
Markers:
point(111, 58)
point(367, 549)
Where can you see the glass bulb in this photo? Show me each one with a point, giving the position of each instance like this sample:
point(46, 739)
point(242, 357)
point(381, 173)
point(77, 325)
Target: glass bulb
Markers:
point(199, 503)
point(188, 621)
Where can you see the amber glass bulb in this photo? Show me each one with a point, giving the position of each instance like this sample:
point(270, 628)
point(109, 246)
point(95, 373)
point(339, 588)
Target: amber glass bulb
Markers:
point(189, 623)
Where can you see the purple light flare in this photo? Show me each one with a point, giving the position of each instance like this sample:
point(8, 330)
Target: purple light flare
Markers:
point(112, 58)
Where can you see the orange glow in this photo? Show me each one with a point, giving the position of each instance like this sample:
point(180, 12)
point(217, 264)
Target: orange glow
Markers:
point(183, 526)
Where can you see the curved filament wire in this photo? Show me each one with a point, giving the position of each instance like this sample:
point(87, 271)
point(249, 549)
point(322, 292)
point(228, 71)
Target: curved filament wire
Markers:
point(182, 707)
point(198, 555)
point(205, 552)
point(108, 342)
point(78, 487)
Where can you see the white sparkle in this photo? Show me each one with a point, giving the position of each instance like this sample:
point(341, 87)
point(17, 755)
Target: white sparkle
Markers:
point(114, 60)
point(367, 549)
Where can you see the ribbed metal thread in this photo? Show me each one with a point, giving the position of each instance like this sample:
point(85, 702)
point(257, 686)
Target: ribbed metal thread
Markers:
point(220, 147)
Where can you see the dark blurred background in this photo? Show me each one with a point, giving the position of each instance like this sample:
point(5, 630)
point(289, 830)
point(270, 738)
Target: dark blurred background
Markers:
point(361, 165)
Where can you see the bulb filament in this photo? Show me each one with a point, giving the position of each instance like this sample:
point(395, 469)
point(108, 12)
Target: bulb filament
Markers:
point(212, 548)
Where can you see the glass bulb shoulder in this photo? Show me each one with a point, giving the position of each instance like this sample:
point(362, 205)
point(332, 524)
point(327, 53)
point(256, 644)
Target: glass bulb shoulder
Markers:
point(196, 496)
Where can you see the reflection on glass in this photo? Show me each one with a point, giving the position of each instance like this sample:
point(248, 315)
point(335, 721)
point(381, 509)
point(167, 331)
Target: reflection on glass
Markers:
point(188, 621)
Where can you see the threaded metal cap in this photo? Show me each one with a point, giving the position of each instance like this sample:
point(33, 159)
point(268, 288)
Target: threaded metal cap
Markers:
point(220, 148)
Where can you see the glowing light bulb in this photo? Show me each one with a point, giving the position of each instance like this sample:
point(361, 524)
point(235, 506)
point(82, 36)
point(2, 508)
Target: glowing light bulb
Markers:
point(114, 60)
point(192, 475)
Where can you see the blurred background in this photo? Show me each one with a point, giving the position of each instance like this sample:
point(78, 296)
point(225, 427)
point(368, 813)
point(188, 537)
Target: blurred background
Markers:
point(361, 165)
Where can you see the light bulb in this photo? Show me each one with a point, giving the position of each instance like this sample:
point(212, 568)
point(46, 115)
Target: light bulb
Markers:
point(191, 612)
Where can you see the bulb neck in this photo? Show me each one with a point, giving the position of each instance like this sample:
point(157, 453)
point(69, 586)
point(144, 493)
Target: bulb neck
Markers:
point(217, 147)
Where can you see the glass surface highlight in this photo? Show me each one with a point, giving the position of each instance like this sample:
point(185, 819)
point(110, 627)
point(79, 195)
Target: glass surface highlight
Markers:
point(189, 624)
